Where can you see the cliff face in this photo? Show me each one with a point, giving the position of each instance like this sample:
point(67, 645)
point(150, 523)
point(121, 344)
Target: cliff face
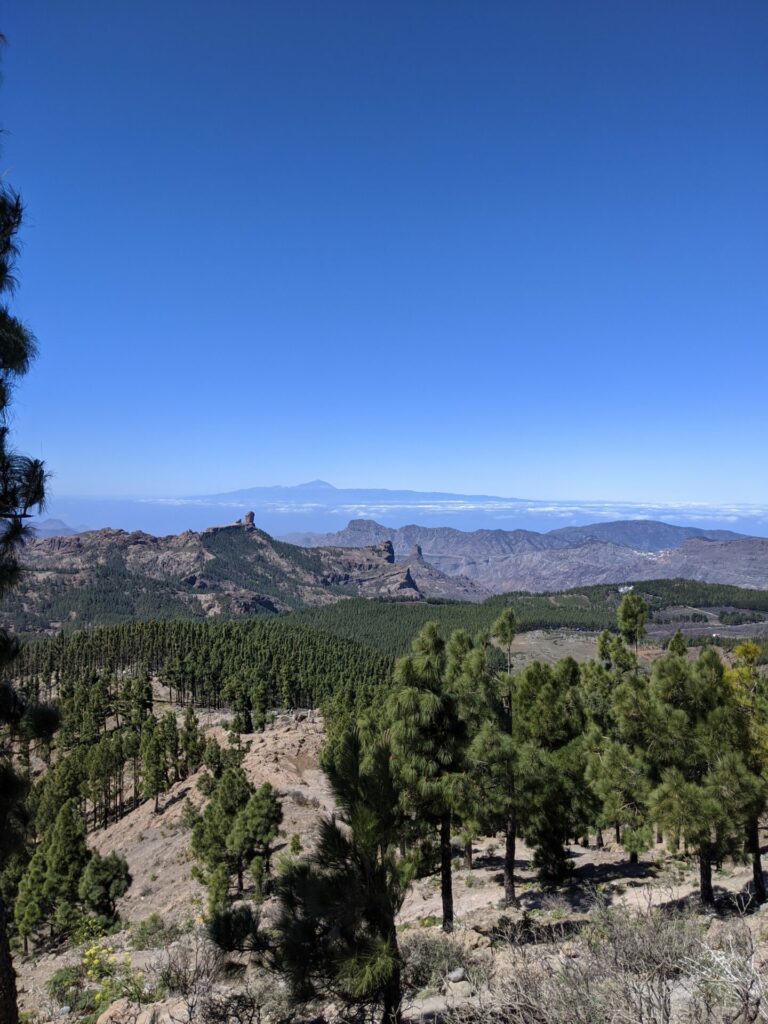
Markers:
point(111, 575)
point(504, 560)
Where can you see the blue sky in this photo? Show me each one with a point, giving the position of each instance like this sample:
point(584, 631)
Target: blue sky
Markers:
point(513, 248)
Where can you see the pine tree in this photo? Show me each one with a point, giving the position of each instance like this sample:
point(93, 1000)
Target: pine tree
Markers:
point(66, 856)
point(706, 792)
point(428, 741)
point(632, 616)
point(103, 882)
point(22, 489)
point(677, 644)
point(504, 630)
point(553, 796)
point(31, 909)
point(253, 831)
point(169, 738)
point(191, 743)
point(750, 690)
point(214, 841)
point(153, 768)
point(337, 909)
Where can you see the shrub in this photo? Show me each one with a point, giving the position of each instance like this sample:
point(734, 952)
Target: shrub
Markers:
point(66, 985)
point(153, 932)
point(258, 1001)
point(189, 968)
point(427, 958)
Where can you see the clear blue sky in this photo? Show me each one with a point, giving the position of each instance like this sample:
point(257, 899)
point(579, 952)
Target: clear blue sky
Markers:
point(515, 248)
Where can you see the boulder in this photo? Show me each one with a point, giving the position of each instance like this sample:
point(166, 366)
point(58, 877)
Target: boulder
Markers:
point(458, 990)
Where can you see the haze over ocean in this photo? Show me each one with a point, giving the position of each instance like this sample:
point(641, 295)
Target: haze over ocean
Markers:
point(508, 249)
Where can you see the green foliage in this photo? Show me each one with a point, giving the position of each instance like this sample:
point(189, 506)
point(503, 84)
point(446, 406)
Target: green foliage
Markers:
point(632, 616)
point(153, 932)
point(428, 740)
point(22, 490)
point(255, 828)
point(66, 985)
point(103, 882)
point(390, 626)
point(282, 663)
point(336, 925)
point(235, 831)
point(66, 856)
point(677, 645)
point(549, 729)
point(236, 929)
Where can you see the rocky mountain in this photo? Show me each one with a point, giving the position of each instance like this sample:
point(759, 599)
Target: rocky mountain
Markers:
point(110, 576)
point(504, 560)
point(53, 528)
point(107, 576)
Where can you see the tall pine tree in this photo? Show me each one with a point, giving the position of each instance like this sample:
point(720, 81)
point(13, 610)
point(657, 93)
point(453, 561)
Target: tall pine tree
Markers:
point(22, 489)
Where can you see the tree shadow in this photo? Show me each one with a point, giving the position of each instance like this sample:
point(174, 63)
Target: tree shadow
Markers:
point(182, 794)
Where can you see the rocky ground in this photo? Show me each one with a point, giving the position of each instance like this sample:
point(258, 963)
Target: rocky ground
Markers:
point(286, 755)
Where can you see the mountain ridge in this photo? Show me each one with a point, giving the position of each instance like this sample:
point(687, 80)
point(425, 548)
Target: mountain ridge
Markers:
point(226, 571)
point(505, 560)
point(229, 571)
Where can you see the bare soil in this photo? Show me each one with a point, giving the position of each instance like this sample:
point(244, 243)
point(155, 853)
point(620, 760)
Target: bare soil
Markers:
point(287, 755)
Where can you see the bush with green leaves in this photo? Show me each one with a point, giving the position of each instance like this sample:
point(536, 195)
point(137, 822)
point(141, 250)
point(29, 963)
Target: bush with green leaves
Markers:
point(153, 932)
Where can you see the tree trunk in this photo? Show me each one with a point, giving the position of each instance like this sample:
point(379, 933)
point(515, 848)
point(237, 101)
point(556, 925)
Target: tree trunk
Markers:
point(585, 841)
point(599, 842)
point(617, 826)
point(659, 837)
point(239, 878)
point(510, 895)
point(9, 1012)
point(633, 857)
point(392, 998)
point(468, 855)
point(753, 839)
point(446, 880)
point(706, 892)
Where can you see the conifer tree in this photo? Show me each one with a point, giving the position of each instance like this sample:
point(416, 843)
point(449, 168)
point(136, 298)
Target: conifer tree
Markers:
point(214, 841)
point(66, 856)
point(22, 489)
point(153, 768)
point(169, 738)
point(336, 926)
point(253, 831)
point(103, 882)
point(191, 743)
point(504, 630)
point(750, 690)
point(677, 644)
point(31, 909)
point(428, 741)
point(554, 799)
point(632, 616)
point(707, 792)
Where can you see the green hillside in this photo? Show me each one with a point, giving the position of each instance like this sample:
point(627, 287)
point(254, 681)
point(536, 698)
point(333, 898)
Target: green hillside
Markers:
point(389, 627)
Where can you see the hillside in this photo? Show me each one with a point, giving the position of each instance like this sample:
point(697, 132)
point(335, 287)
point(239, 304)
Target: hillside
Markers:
point(109, 576)
point(695, 608)
point(506, 560)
